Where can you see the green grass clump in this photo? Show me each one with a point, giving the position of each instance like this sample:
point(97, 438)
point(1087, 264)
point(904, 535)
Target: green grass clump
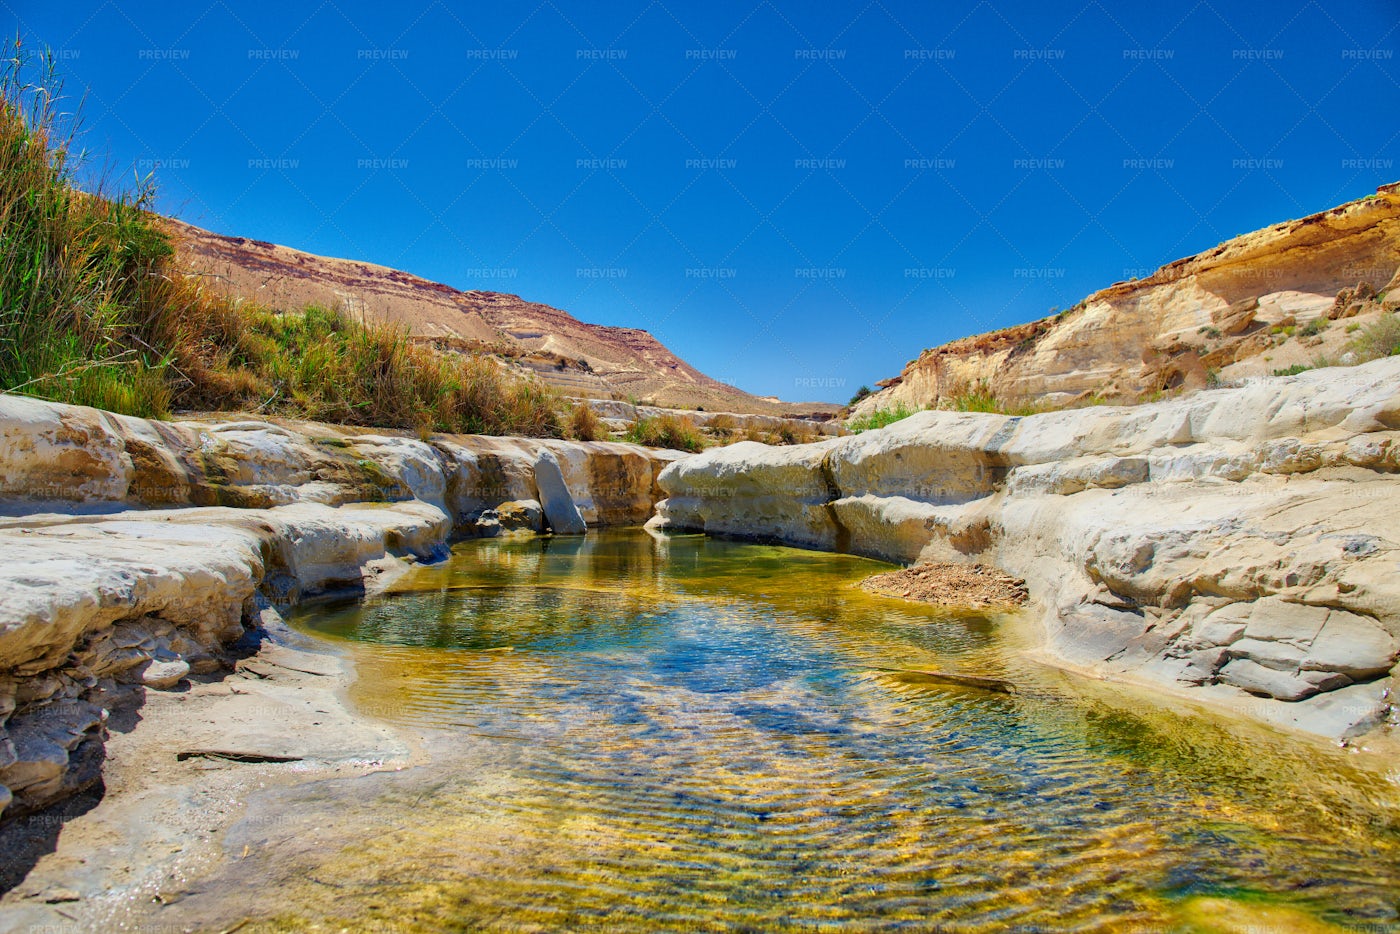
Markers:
point(980, 398)
point(94, 311)
point(880, 418)
point(1293, 370)
point(666, 431)
point(1314, 327)
point(975, 399)
point(325, 365)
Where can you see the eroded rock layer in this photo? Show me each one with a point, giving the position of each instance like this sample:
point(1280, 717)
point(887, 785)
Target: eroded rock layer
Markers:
point(1240, 544)
point(136, 553)
point(1227, 313)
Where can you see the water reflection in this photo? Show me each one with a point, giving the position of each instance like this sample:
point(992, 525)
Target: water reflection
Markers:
point(644, 734)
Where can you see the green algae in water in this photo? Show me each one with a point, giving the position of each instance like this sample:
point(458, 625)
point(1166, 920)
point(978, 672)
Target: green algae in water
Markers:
point(685, 734)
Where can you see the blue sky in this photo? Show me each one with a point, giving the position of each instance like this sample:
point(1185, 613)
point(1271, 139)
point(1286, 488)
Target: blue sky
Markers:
point(795, 197)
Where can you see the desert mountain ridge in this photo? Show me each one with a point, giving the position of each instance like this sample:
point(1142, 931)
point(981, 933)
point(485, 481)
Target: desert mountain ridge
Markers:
point(575, 357)
point(1264, 302)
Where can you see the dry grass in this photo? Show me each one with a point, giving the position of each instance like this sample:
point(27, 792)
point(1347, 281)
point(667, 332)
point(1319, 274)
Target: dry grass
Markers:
point(94, 312)
point(585, 425)
point(666, 431)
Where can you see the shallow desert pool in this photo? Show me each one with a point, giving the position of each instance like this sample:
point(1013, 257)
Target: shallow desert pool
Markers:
point(681, 734)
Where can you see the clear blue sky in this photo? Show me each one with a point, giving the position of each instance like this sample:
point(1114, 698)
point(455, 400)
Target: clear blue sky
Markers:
point(795, 197)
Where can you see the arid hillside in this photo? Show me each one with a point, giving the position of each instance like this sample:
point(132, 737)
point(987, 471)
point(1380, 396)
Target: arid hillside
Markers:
point(1293, 295)
point(577, 358)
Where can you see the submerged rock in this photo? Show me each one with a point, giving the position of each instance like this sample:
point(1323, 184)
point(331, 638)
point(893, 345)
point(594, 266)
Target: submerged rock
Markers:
point(974, 586)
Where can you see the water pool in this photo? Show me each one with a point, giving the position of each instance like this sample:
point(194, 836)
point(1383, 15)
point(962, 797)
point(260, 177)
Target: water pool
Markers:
point(682, 734)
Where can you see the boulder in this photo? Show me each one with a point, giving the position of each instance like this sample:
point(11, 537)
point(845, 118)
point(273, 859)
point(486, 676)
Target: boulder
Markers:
point(520, 516)
point(163, 675)
point(559, 508)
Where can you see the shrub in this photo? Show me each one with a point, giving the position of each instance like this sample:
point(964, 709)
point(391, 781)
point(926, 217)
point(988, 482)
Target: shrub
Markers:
point(723, 427)
point(791, 433)
point(666, 431)
point(861, 393)
point(73, 266)
point(1313, 328)
point(978, 398)
point(754, 433)
point(1379, 339)
point(585, 425)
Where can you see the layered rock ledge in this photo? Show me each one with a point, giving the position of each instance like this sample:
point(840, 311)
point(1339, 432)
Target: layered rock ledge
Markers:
point(1239, 545)
point(138, 553)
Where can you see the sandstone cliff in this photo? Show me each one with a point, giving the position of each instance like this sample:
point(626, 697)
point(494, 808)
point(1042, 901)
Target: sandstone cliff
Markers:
point(1239, 544)
point(136, 552)
point(1227, 313)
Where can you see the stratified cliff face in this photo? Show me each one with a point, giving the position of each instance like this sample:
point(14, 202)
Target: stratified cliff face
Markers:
point(136, 551)
point(1214, 312)
point(577, 358)
point(1239, 544)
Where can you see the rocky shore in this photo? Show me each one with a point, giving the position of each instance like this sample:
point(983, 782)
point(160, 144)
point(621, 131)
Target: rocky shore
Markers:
point(1238, 545)
point(1235, 547)
point(181, 766)
point(142, 554)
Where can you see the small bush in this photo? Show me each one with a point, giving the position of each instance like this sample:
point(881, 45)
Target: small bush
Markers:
point(585, 425)
point(1379, 339)
point(975, 399)
point(790, 433)
point(723, 427)
point(980, 398)
point(861, 393)
point(666, 431)
point(754, 433)
point(1313, 328)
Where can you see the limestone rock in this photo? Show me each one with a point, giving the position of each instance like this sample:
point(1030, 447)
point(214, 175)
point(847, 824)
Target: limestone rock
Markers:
point(558, 504)
point(163, 675)
point(1239, 539)
point(1353, 645)
point(102, 594)
point(520, 515)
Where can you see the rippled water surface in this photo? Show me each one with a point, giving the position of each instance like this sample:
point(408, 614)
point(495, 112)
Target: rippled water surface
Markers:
point(690, 734)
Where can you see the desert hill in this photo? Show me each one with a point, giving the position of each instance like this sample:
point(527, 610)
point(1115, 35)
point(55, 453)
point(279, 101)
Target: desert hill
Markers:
point(577, 358)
